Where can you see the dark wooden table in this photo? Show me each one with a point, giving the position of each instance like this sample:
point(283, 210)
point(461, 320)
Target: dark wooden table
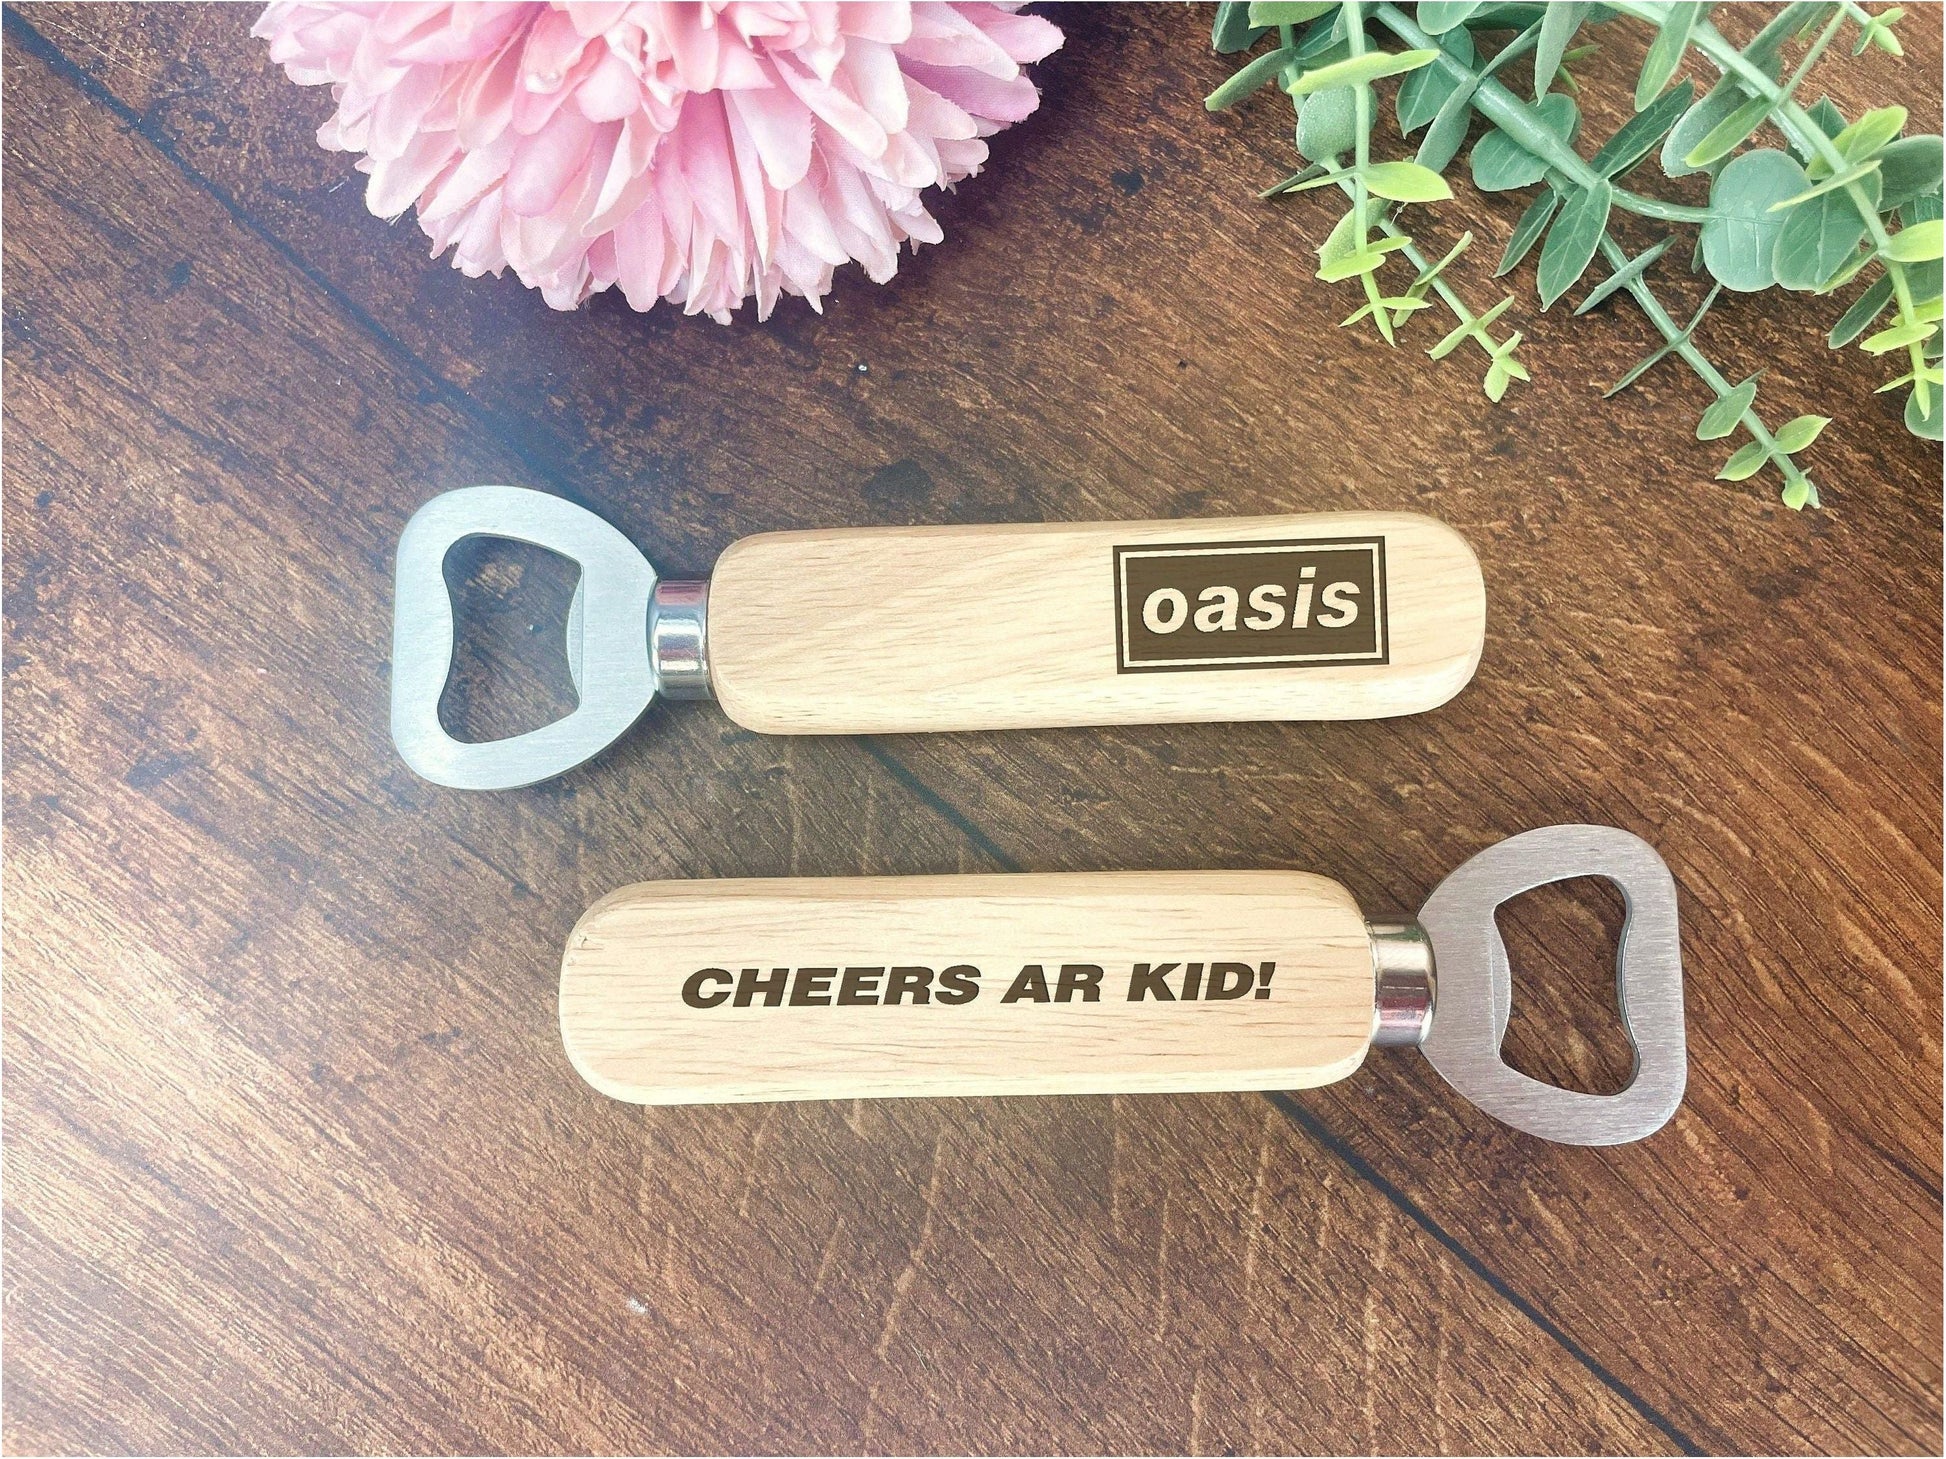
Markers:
point(293, 1160)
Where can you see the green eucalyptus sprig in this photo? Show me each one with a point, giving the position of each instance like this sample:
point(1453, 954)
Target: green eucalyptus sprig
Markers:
point(1841, 199)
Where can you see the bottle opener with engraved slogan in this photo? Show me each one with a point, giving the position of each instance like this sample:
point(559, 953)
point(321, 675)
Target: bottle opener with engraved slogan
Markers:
point(1343, 615)
point(691, 992)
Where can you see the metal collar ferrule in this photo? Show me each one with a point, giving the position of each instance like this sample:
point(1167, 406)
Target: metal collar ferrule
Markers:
point(1403, 984)
point(679, 639)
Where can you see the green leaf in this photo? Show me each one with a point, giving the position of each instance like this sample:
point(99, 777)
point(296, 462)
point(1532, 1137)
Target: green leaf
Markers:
point(1878, 32)
point(1741, 235)
point(1921, 209)
point(1909, 168)
point(1426, 90)
point(1341, 240)
point(1470, 328)
point(1797, 435)
point(1501, 163)
point(1925, 423)
point(1638, 136)
point(1359, 69)
point(1722, 416)
point(1436, 17)
point(1406, 182)
point(1666, 51)
point(1572, 241)
point(1232, 31)
point(1324, 40)
point(1527, 231)
point(1259, 72)
point(1853, 267)
point(1447, 134)
point(1288, 12)
point(1295, 182)
point(1327, 123)
point(1829, 119)
point(1353, 260)
point(1864, 137)
point(1730, 133)
point(1924, 280)
point(1868, 306)
point(1919, 243)
point(1625, 275)
point(1558, 27)
point(1428, 274)
point(1744, 463)
point(1798, 493)
point(1321, 176)
point(1898, 337)
point(1788, 25)
point(1718, 102)
point(1819, 238)
point(1830, 184)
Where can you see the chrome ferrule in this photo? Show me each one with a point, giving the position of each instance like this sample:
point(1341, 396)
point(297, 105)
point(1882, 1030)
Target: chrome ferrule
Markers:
point(679, 639)
point(1403, 982)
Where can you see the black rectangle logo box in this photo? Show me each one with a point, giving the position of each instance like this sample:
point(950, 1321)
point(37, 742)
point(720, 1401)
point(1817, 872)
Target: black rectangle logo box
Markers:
point(1250, 605)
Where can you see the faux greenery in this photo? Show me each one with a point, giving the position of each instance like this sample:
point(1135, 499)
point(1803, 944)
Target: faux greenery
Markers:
point(1841, 200)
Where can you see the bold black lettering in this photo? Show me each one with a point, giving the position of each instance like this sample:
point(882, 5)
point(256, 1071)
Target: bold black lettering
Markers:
point(901, 981)
point(812, 987)
point(1192, 982)
point(1151, 982)
point(1264, 974)
point(772, 987)
point(695, 997)
point(959, 984)
point(1079, 978)
point(1029, 983)
point(860, 985)
point(1230, 980)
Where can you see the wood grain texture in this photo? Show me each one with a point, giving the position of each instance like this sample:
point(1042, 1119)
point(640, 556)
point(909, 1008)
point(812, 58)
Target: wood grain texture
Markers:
point(292, 1158)
point(1028, 626)
point(1106, 982)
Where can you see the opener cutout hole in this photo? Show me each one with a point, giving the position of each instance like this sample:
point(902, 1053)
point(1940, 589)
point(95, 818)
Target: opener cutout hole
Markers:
point(510, 657)
point(1565, 1027)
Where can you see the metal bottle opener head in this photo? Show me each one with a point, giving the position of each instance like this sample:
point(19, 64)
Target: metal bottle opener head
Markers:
point(629, 637)
point(1453, 997)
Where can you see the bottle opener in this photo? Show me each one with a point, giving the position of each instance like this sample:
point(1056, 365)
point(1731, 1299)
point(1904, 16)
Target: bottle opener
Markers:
point(692, 992)
point(884, 630)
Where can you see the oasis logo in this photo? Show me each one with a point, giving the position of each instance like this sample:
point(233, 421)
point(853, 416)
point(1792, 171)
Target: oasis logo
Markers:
point(1249, 605)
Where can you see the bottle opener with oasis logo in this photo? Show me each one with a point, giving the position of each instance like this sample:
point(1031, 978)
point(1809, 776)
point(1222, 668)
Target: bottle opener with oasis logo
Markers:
point(883, 630)
point(693, 992)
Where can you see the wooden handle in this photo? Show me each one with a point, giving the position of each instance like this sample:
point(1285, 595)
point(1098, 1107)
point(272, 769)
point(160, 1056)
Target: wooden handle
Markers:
point(883, 630)
point(696, 992)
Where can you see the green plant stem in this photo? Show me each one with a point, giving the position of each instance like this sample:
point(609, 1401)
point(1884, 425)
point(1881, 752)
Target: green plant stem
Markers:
point(1447, 295)
point(1360, 197)
point(1672, 334)
point(1514, 117)
point(1809, 138)
point(1812, 52)
point(1506, 111)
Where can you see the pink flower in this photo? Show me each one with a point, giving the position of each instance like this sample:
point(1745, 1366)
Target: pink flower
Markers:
point(696, 152)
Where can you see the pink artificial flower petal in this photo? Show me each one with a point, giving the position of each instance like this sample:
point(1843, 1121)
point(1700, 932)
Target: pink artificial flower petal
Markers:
point(545, 163)
point(703, 152)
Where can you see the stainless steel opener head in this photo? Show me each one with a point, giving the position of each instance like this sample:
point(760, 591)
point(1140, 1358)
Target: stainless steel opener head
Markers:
point(608, 640)
point(1475, 987)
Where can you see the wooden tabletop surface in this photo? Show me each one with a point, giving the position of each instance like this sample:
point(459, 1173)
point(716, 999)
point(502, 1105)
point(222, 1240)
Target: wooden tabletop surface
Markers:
point(293, 1159)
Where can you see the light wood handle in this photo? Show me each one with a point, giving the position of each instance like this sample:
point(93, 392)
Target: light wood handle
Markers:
point(1082, 983)
point(1342, 615)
